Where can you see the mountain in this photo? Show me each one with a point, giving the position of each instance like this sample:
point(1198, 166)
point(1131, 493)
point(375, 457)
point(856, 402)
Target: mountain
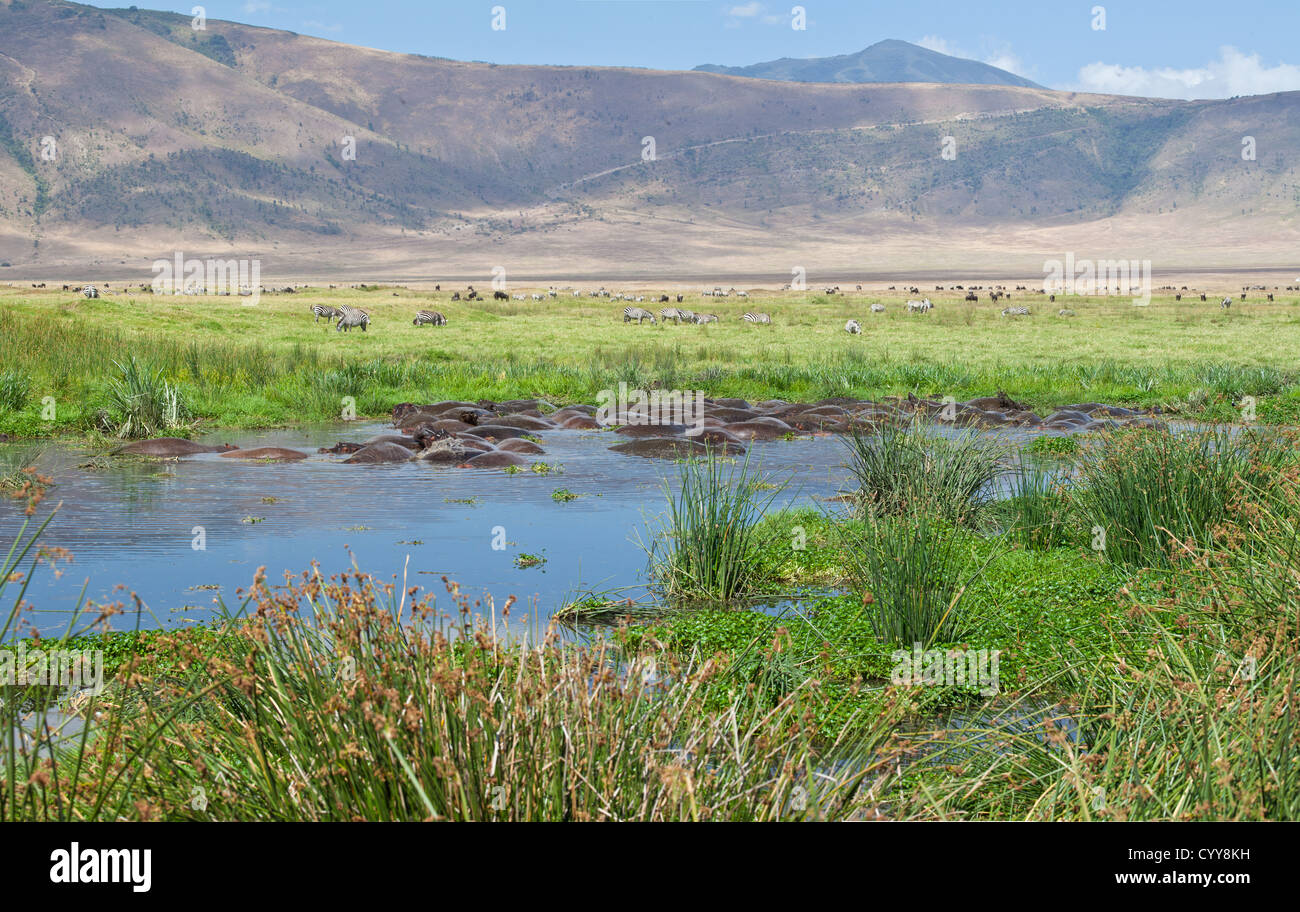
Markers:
point(885, 61)
point(240, 139)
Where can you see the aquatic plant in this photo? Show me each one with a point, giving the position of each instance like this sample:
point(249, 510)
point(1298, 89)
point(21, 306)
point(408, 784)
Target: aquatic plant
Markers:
point(708, 546)
point(142, 403)
point(909, 469)
point(1149, 495)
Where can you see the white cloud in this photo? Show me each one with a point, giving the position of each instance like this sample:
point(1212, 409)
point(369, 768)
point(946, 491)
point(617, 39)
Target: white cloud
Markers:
point(999, 56)
point(1233, 73)
point(314, 26)
point(748, 11)
point(753, 11)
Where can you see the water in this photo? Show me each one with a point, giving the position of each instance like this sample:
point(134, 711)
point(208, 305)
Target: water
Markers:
point(130, 526)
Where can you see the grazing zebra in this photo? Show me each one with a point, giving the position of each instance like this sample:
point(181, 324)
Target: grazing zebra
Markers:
point(431, 317)
point(324, 310)
point(701, 319)
point(1015, 312)
point(638, 314)
point(350, 317)
point(670, 313)
point(90, 291)
point(877, 308)
point(853, 328)
point(1226, 303)
point(751, 317)
point(1065, 312)
point(688, 316)
point(919, 306)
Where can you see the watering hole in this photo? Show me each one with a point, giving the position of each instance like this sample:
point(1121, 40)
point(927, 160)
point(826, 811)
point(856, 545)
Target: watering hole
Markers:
point(130, 523)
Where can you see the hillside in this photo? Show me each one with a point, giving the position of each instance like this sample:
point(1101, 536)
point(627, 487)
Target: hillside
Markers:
point(885, 61)
point(233, 139)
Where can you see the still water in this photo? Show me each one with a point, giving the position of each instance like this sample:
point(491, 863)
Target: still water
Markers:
point(131, 526)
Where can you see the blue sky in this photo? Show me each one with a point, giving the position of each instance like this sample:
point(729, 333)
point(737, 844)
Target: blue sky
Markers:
point(1170, 48)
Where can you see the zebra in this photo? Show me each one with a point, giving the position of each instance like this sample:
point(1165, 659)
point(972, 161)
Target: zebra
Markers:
point(701, 319)
point(877, 308)
point(853, 328)
point(1065, 312)
point(919, 306)
point(324, 310)
point(431, 317)
point(686, 315)
point(670, 313)
point(90, 291)
point(350, 317)
point(1226, 303)
point(751, 317)
point(638, 314)
point(1015, 312)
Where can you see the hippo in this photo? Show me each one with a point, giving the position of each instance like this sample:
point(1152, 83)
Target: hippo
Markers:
point(342, 448)
point(376, 453)
point(519, 445)
point(497, 459)
point(269, 454)
point(451, 425)
point(732, 404)
point(760, 429)
point(170, 446)
point(447, 449)
point(514, 406)
point(496, 432)
point(730, 414)
point(523, 423)
point(580, 423)
point(409, 442)
point(672, 448)
point(651, 430)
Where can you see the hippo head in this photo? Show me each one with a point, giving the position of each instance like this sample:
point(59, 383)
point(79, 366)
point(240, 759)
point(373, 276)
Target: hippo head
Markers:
point(221, 448)
point(403, 409)
point(426, 434)
point(468, 417)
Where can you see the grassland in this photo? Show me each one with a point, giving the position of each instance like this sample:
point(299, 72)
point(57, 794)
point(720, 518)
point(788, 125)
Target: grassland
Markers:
point(269, 364)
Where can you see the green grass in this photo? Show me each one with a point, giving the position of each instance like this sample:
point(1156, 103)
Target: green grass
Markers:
point(268, 365)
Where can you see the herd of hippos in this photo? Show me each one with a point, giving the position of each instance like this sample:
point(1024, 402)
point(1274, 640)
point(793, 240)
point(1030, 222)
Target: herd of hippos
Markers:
point(498, 435)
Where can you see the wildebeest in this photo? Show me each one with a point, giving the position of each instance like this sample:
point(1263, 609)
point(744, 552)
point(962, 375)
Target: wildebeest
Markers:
point(500, 296)
point(972, 297)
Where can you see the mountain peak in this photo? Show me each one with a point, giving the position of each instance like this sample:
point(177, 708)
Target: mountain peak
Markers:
point(889, 60)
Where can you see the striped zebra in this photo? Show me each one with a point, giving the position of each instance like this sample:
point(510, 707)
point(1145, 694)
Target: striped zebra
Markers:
point(324, 310)
point(1015, 312)
point(350, 317)
point(701, 319)
point(1226, 303)
point(638, 314)
point(670, 313)
point(431, 317)
point(688, 316)
point(751, 317)
point(90, 291)
point(877, 308)
point(919, 306)
point(1065, 312)
point(853, 328)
